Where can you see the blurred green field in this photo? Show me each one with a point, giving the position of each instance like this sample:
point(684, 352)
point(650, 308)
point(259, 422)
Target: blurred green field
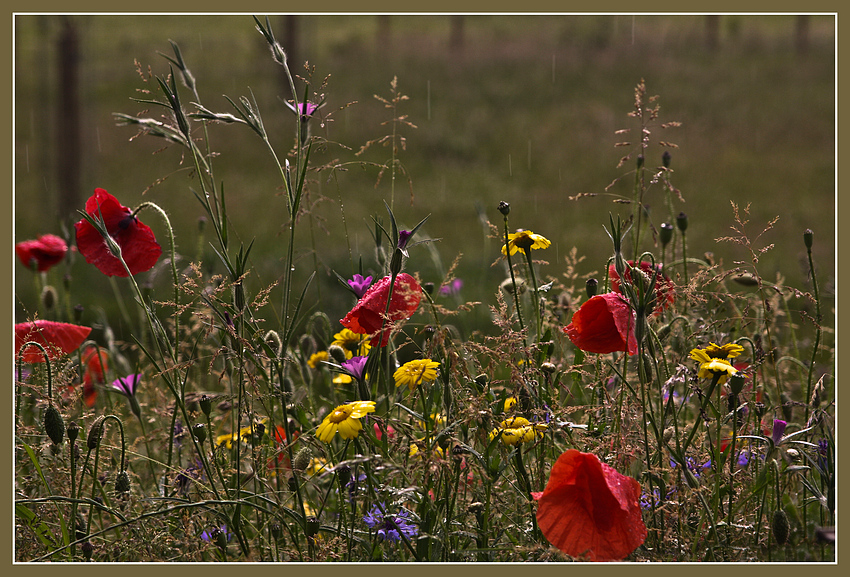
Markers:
point(524, 111)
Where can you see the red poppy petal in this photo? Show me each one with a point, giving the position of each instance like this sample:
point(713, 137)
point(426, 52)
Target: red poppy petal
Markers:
point(367, 315)
point(602, 324)
point(57, 338)
point(590, 510)
point(46, 251)
point(137, 241)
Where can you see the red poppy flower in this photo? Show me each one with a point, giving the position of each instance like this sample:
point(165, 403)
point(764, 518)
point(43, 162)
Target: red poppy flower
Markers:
point(46, 251)
point(57, 338)
point(604, 324)
point(665, 290)
point(138, 244)
point(367, 315)
point(95, 367)
point(590, 510)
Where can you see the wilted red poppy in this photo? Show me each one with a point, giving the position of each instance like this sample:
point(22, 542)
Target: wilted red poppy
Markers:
point(367, 315)
point(94, 367)
point(665, 290)
point(604, 324)
point(590, 510)
point(45, 251)
point(57, 338)
point(138, 244)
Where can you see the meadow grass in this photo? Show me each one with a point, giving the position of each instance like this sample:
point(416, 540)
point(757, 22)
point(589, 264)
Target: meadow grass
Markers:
point(229, 440)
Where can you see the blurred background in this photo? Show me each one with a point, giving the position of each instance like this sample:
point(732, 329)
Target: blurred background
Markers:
point(516, 108)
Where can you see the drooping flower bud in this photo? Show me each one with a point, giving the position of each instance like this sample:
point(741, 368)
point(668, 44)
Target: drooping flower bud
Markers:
point(95, 434)
point(302, 459)
point(73, 431)
point(206, 405)
point(337, 353)
point(54, 426)
point(780, 526)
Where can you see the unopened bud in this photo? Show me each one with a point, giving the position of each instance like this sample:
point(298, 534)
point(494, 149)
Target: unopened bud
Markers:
point(781, 527)
point(808, 236)
point(49, 297)
point(54, 426)
point(665, 159)
point(591, 286)
point(95, 434)
point(504, 208)
point(122, 482)
point(302, 459)
point(206, 405)
point(200, 432)
point(666, 234)
point(337, 353)
point(87, 548)
point(73, 431)
point(640, 160)
point(682, 221)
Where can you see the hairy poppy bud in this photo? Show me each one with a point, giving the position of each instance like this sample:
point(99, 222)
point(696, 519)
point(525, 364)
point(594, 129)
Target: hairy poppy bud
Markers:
point(49, 297)
point(87, 548)
point(808, 237)
point(665, 159)
point(344, 474)
point(312, 526)
point(682, 221)
point(780, 526)
point(302, 459)
point(337, 353)
point(504, 208)
point(736, 383)
point(95, 434)
point(640, 160)
point(54, 426)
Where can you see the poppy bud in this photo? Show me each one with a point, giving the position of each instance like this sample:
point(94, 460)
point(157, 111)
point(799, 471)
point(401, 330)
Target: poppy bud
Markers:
point(54, 426)
point(640, 160)
point(591, 287)
point(736, 383)
point(302, 459)
point(200, 432)
point(312, 526)
point(73, 431)
point(666, 234)
point(665, 159)
point(293, 483)
point(807, 238)
point(682, 221)
point(78, 313)
point(95, 434)
point(337, 353)
point(122, 482)
point(344, 474)
point(548, 368)
point(206, 405)
point(504, 208)
point(87, 548)
point(220, 538)
point(780, 526)
point(428, 287)
point(49, 297)
point(277, 531)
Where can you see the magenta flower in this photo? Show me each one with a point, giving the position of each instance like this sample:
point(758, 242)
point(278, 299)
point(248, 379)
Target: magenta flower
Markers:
point(127, 387)
point(355, 366)
point(778, 430)
point(359, 284)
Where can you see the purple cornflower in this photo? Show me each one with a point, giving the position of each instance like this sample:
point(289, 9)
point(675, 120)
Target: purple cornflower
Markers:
point(452, 288)
point(353, 485)
point(744, 458)
point(359, 284)
point(693, 466)
point(390, 527)
point(355, 366)
point(778, 430)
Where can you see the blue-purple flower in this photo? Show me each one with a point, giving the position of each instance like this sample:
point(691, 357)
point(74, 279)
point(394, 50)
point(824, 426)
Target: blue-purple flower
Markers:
point(359, 284)
point(390, 527)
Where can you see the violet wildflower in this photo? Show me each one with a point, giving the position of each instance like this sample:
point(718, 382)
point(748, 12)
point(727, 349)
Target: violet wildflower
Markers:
point(390, 527)
point(451, 288)
point(403, 238)
point(778, 430)
point(355, 366)
point(127, 386)
point(359, 284)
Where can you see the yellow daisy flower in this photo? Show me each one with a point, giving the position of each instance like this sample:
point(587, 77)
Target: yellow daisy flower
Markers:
point(414, 450)
point(317, 465)
point(517, 430)
point(709, 367)
point(414, 373)
point(510, 403)
point(727, 351)
point(316, 358)
point(353, 343)
point(342, 379)
point(244, 434)
point(345, 419)
point(524, 240)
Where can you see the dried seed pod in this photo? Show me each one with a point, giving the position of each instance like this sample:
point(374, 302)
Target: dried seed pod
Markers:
point(54, 426)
